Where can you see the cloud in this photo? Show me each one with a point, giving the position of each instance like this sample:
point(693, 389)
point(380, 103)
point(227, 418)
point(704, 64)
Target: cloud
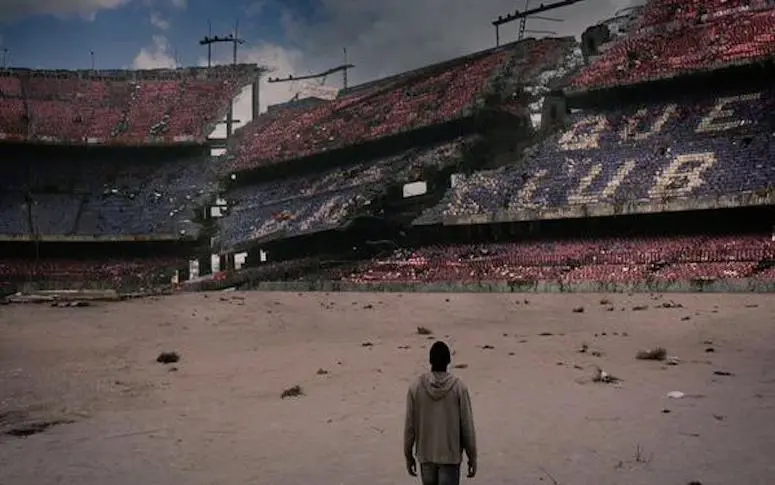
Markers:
point(158, 22)
point(155, 58)
point(254, 8)
point(13, 10)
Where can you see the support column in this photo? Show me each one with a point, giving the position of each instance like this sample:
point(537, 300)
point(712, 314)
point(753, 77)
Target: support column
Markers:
point(254, 257)
point(205, 266)
point(256, 92)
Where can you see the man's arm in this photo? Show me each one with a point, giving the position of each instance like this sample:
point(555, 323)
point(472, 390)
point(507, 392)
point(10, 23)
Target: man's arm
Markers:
point(410, 433)
point(467, 431)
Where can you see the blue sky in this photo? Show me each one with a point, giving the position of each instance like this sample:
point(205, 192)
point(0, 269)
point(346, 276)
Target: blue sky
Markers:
point(383, 37)
point(117, 31)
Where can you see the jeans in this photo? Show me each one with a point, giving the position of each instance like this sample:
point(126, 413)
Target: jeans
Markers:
point(433, 474)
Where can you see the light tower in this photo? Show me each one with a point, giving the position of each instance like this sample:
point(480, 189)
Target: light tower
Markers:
point(344, 68)
point(235, 41)
point(523, 16)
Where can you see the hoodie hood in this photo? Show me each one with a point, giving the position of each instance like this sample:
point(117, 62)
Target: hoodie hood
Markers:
point(438, 384)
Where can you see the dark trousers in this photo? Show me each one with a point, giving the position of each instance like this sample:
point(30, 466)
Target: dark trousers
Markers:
point(433, 474)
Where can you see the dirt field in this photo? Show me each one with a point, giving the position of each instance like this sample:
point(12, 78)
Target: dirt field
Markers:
point(219, 419)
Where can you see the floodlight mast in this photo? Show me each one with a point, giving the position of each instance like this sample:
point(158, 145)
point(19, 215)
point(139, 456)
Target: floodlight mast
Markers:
point(210, 39)
point(235, 40)
point(344, 68)
point(523, 16)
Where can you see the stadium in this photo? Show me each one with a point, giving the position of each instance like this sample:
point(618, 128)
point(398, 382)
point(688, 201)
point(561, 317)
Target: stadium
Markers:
point(534, 164)
point(632, 162)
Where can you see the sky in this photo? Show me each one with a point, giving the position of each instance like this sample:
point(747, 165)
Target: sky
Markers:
point(382, 37)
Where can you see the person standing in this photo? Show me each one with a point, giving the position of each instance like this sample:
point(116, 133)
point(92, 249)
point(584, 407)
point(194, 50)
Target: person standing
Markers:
point(439, 423)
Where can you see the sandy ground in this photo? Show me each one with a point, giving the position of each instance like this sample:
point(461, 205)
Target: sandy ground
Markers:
point(219, 418)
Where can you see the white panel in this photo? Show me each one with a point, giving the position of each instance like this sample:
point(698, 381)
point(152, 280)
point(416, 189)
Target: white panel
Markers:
point(311, 89)
point(536, 118)
point(243, 107)
point(239, 260)
point(415, 189)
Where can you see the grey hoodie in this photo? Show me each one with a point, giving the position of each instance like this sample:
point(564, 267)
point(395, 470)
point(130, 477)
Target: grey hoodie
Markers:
point(439, 421)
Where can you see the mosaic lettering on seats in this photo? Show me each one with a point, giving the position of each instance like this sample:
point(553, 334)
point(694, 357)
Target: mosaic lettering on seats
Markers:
point(678, 148)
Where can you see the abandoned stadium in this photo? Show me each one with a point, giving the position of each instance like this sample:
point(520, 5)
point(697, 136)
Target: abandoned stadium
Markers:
point(554, 209)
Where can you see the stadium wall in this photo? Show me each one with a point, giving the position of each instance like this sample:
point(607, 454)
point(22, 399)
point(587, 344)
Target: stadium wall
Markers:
point(748, 199)
point(700, 286)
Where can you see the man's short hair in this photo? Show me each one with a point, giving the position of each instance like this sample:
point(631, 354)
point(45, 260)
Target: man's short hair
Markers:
point(439, 354)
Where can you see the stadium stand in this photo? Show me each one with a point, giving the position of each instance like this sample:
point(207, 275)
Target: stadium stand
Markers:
point(14, 218)
point(685, 36)
point(117, 201)
point(119, 273)
point(681, 12)
point(323, 200)
point(677, 150)
point(102, 181)
point(105, 199)
point(607, 260)
point(429, 96)
point(117, 107)
point(634, 159)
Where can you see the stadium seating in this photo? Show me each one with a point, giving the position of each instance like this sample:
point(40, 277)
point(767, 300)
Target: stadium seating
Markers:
point(126, 274)
point(130, 108)
point(648, 55)
point(292, 217)
point(613, 260)
point(105, 198)
point(699, 147)
point(662, 12)
point(324, 200)
point(427, 97)
point(767, 274)
point(14, 218)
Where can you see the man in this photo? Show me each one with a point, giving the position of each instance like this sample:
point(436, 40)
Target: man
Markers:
point(440, 423)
